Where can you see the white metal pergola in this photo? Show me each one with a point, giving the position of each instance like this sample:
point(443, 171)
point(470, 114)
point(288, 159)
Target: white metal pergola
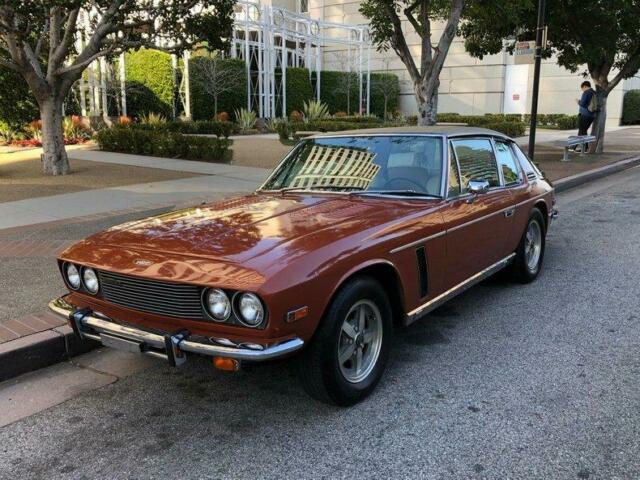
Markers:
point(267, 38)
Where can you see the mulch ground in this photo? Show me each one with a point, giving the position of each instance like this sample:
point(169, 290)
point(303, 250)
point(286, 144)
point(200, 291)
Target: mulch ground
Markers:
point(21, 176)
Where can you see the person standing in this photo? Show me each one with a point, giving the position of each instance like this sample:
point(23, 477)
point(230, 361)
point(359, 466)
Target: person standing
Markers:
point(587, 108)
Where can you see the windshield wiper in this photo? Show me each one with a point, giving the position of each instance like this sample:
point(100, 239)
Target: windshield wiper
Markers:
point(312, 188)
point(400, 193)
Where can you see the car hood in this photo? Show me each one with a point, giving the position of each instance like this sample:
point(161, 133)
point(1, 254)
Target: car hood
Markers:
point(241, 229)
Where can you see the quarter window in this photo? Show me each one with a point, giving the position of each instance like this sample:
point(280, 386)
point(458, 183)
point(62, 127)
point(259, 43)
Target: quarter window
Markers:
point(508, 164)
point(477, 162)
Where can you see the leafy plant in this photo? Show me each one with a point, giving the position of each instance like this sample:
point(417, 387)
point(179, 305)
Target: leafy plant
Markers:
point(34, 130)
point(7, 133)
point(284, 130)
point(246, 119)
point(73, 129)
point(153, 119)
point(315, 110)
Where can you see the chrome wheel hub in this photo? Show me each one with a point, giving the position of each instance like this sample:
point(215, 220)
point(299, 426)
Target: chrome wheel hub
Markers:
point(360, 341)
point(533, 246)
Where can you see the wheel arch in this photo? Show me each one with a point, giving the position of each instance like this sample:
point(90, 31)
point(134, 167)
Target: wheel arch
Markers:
point(389, 278)
point(544, 209)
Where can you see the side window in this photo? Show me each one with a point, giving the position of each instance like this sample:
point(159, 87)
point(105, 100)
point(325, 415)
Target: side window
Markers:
point(507, 164)
point(527, 165)
point(454, 176)
point(477, 162)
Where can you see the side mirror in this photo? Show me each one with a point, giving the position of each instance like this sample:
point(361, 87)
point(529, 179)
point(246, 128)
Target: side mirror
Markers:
point(478, 186)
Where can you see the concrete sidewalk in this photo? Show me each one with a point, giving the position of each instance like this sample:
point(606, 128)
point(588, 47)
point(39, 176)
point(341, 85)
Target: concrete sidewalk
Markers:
point(91, 202)
point(205, 168)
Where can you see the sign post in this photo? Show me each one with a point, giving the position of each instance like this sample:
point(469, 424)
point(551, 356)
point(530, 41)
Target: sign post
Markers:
point(540, 36)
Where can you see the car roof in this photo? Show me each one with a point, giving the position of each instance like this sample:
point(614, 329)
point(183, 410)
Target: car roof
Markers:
point(444, 130)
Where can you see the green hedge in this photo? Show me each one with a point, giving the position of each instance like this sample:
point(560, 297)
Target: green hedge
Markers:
point(631, 108)
point(381, 83)
point(202, 104)
point(197, 127)
point(512, 129)
point(162, 144)
point(17, 106)
point(150, 83)
point(299, 89)
point(333, 91)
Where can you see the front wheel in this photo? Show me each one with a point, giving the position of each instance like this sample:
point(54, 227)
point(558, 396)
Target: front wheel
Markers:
point(530, 252)
point(349, 351)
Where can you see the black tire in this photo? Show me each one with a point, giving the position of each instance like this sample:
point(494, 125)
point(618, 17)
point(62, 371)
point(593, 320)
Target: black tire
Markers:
point(319, 368)
point(520, 270)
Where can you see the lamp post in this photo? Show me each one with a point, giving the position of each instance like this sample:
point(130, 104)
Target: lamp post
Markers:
point(536, 76)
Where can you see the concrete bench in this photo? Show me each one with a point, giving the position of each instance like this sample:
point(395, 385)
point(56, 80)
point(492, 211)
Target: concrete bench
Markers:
point(573, 141)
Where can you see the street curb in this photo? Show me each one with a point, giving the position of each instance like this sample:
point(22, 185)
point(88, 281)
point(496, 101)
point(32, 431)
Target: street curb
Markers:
point(578, 179)
point(40, 350)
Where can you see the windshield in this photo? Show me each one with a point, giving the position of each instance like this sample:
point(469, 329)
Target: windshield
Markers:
point(376, 164)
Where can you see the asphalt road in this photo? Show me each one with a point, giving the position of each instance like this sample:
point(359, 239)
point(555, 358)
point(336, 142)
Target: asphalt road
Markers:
point(506, 381)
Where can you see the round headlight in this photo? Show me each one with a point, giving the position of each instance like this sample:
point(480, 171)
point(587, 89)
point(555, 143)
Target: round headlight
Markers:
point(73, 275)
point(217, 304)
point(250, 309)
point(90, 279)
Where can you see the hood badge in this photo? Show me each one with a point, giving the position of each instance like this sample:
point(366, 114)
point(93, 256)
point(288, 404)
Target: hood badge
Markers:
point(142, 262)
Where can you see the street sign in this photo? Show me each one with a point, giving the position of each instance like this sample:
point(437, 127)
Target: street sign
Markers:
point(524, 52)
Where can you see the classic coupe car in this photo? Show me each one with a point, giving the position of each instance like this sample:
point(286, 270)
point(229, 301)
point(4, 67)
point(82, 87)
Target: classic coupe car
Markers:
point(351, 234)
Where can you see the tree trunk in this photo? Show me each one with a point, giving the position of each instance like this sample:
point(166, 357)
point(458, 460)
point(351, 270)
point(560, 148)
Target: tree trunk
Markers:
point(427, 107)
point(54, 158)
point(599, 123)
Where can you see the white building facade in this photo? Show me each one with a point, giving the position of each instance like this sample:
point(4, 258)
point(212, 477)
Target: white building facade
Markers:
point(468, 85)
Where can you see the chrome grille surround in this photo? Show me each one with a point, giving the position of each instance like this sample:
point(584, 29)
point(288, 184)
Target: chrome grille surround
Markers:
point(171, 299)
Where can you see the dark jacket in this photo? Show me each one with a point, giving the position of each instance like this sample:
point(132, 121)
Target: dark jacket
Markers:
point(585, 100)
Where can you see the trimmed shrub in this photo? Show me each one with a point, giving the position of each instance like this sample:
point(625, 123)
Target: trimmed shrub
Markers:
point(512, 129)
point(198, 127)
point(334, 91)
point(17, 105)
point(631, 108)
point(299, 89)
point(383, 84)
point(161, 143)
point(149, 82)
point(202, 104)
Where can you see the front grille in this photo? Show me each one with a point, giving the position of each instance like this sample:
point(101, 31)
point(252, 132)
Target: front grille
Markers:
point(163, 298)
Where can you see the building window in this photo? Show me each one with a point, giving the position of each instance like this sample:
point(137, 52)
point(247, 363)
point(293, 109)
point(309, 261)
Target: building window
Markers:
point(303, 6)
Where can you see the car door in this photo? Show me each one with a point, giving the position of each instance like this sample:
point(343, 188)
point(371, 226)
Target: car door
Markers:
point(477, 225)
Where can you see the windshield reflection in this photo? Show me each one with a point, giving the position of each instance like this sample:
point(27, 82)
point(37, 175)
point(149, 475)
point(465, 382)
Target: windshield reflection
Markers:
point(393, 164)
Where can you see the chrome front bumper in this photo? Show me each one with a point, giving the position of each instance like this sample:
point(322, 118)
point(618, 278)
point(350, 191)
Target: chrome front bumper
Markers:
point(171, 347)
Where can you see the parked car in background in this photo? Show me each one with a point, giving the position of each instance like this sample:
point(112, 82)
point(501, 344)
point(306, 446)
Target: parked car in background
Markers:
point(351, 234)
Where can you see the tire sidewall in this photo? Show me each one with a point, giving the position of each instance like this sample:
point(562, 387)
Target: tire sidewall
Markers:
point(535, 216)
point(340, 390)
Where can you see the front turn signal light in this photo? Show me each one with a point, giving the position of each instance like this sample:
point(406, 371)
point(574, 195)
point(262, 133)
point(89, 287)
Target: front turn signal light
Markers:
point(226, 364)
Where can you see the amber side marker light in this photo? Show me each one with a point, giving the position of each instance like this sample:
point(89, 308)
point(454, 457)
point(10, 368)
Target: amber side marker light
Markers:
point(295, 315)
point(226, 364)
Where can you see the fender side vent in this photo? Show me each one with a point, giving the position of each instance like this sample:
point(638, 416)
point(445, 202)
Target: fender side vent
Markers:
point(423, 278)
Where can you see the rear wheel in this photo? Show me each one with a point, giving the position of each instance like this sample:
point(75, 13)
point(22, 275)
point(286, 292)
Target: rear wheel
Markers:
point(349, 351)
point(530, 252)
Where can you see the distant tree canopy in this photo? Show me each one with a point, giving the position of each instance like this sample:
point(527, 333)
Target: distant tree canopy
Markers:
point(38, 41)
point(597, 38)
